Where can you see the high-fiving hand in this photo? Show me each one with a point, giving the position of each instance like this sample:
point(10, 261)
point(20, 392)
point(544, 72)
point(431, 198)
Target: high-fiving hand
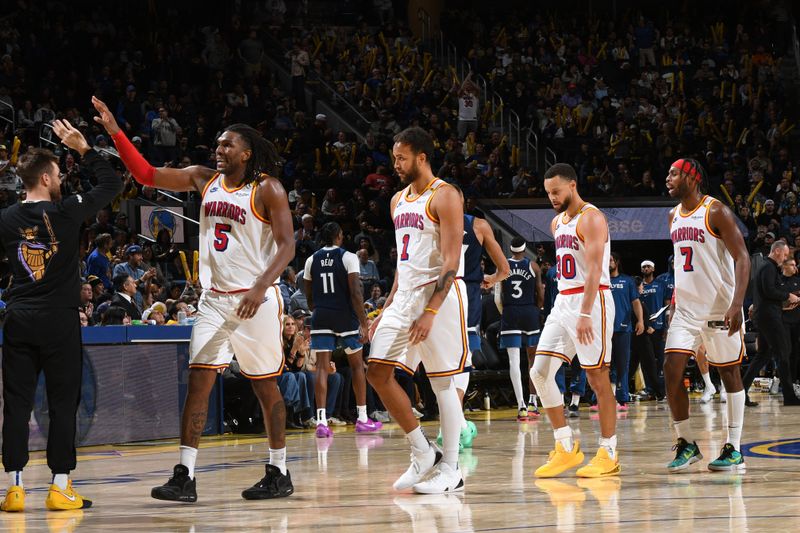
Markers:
point(71, 137)
point(106, 118)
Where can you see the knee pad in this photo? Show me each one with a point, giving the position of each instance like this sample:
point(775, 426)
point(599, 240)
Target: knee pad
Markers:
point(543, 374)
point(442, 384)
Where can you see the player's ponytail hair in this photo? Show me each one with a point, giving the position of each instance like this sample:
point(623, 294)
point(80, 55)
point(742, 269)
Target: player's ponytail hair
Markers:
point(264, 159)
point(329, 232)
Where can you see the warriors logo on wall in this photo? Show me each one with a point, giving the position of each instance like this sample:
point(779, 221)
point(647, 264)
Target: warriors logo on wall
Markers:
point(34, 255)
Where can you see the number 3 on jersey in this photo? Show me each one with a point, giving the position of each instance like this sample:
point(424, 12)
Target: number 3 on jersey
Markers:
point(221, 232)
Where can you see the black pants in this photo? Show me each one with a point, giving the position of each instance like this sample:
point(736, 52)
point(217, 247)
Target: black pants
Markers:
point(642, 354)
point(773, 341)
point(35, 341)
point(793, 330)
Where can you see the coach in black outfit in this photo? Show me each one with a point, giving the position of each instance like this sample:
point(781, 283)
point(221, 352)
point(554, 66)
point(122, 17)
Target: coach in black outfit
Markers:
point(40, 240)
point(770, 296)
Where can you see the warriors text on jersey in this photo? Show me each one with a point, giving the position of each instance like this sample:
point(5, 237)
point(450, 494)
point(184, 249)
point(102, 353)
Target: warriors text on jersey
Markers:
point(704, 269)
point(419, 257)
point(571, 264)
point(236, 242)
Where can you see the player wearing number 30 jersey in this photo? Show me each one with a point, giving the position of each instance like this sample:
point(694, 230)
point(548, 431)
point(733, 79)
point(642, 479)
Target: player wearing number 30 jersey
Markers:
point(581, 321)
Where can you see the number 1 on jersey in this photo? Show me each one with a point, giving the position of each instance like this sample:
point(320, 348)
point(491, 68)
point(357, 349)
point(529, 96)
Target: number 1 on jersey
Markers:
point(404, 254)
point(687, 252)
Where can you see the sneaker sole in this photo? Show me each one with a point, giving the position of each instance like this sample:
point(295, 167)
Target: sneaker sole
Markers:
point(457, 488)
point(184, 499)
point(266, 496)
point(694, 459)
point(732, 468)
point(615, 472)
point(436, 461)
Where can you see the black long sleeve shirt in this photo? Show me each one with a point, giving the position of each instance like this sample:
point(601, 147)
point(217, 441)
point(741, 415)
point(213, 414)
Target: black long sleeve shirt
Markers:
point(769, 293)
point(41, 242)
point(792, 284)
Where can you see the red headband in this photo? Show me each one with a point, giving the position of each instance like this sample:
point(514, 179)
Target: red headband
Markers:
point(687, 166)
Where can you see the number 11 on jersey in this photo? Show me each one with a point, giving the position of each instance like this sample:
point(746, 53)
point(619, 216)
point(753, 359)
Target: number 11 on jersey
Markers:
point(327, 282)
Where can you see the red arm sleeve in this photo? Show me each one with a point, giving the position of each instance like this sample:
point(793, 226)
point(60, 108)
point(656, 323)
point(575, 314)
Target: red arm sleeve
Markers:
point(142, 171)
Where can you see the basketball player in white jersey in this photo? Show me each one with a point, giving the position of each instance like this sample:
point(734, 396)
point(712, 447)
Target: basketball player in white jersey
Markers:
point(246, 241)
point(582, 322)
point(712, 269)
point(425, 317)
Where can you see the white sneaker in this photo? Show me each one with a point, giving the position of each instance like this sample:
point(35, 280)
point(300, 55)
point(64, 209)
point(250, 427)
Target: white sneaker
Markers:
point(333, 421)
point(796, 387)
point(444, 479)
point(416, 413)
point(380, 416)
point(420, 466)
point(776, 383)
point(708, 394)
point(723, 397)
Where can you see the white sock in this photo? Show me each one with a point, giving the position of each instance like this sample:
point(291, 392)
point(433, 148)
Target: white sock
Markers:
point(614, 389)
point(322, 417)
point(709, 383)
point(15, 478)
point(735, 407)
point(419, 443)
point(576, 399)
point(362, 413)
point(188, 459)
point(532, 400)
point(683, 430)
point(516, 375)
point(278, 458)
point(463, 421)
point(564, 436)
point(450, 414)
point(610, 444)
point(61, 480)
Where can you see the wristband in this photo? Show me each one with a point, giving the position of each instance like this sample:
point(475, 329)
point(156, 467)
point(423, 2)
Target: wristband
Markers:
point(142, 171)
point(431, 310)
point(585, 315)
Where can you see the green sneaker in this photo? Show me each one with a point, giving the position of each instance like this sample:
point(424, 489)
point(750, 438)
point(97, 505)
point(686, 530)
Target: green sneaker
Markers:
point(461, 446)
point(729, 461)
point(686, 454)
point(468, 435)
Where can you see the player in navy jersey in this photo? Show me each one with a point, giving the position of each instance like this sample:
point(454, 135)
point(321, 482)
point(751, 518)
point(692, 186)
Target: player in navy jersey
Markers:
point(478, 237)
point(519, 299)
point(334, 292)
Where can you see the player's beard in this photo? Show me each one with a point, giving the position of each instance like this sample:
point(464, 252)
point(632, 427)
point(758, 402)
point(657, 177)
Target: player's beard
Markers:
point(411, 175)
point(564, 205)
point(55, 193)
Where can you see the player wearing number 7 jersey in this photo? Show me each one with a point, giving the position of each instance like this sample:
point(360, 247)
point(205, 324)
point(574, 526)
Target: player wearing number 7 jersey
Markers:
point(582, 321)
point(712, 269)
point(246, 241)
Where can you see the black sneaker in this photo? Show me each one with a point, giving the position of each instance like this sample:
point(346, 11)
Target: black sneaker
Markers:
point(573, 411)
point(273, 485)
point(179, 488)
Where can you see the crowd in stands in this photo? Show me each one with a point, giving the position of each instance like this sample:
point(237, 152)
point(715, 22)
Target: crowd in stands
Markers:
point(620, 98)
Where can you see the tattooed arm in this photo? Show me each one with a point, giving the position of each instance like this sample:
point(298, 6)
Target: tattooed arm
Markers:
point(448, 208)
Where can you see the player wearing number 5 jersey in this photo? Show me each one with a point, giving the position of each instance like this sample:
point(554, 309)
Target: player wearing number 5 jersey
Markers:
point(519, 298)
point(425, 316)
point(582, 321)
point(712, 268)
point(246, 241)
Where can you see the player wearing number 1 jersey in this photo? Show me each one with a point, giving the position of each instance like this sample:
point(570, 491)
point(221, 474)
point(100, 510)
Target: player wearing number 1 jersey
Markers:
point(712, 269)
point(425, 316)
point(246, 241)
point(582, 321)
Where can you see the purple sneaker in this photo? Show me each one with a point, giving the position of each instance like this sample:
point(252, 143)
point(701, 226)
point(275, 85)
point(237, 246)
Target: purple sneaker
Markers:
point(368, 426)
point(323, 431)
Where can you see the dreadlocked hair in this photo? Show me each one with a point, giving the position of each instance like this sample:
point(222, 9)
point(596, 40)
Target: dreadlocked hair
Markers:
point(702, 185)
point(264, 158)
point(329, 232)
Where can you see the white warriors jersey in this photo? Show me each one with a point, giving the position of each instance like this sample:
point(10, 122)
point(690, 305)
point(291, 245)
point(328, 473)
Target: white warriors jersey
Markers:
point(704, 269)
point(571, 264)
point(236, 242)
point(417, 236)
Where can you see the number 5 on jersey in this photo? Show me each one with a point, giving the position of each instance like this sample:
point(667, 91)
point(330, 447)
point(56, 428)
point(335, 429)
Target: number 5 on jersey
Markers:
point(221, 232)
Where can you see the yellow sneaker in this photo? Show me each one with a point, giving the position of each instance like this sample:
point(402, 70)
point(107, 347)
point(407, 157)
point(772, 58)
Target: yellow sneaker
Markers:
point(14, 501)
point(560, 461)
point(61, 500)
point(601, 466)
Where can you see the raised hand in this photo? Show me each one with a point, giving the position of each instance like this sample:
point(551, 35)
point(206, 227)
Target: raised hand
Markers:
point(106, 118)
point(70, 137)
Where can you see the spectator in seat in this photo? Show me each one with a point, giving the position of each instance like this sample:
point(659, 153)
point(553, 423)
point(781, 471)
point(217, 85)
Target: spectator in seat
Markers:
point(124, 293)
point(156, 312)
point(98, 264)
point(133, 269)
point(368, 270)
